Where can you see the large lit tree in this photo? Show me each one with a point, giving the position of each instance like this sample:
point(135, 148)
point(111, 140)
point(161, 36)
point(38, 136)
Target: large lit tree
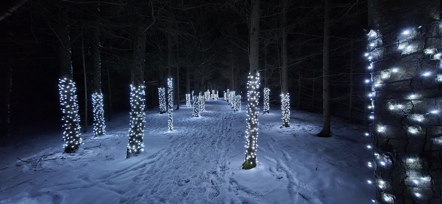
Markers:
point(66, 85)
point(404, 63)
point(137, 94)
point(252, 90)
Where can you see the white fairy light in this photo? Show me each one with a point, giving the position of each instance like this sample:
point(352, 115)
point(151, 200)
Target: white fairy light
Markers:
point(162, 99)
point(170, 104)
point(266, 100)
point(381, 128)
point(71, 118)
point(367, 81)
point(426, 74)
point(137, 120)
point(98, 113)
point(395, 70)
point(429, 51)
point(388, 197)
point(417, 117)
point(439, 77)
point(406, 32)
point(413, 129)
point(434, 112)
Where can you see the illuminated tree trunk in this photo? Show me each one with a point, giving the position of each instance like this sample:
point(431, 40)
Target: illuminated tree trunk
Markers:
point(285, 96)
point(404, 55)
point(67, 87)
point(137, 95)
point(252, 90)
point(97, 95)
point(325, 132)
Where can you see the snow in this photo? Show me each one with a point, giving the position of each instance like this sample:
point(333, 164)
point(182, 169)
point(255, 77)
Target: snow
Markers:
point(198, 162)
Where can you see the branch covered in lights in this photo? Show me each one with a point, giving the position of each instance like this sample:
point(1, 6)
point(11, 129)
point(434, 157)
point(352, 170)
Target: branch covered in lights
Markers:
point(71, 119)
point(136, 130)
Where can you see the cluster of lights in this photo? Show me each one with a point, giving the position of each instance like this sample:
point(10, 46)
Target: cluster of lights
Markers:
point(207, 95)
point(232, 99)
point(237, 103)
point(252, 121)
point(417, 181)
point(71, 118)
point(162, 99)
point(188, 105)
point(170, 104)
point(196, 107)
point(285, 108)
point(202, 103)
point(266, 100)
point(215, 95)
point(137, 120)
point(98, 112)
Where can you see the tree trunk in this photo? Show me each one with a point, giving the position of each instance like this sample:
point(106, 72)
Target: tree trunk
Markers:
point(177, 87)
point(285, 96)
point(350, 104)
point(252, 89)
point(109, 111)
point(405, 100)
point(67, 87)
point(97, 94)
point(325, 132)
point(232, 70)
point(85, 83)
point(6, 91)
point(188, 79)
point(137, 95)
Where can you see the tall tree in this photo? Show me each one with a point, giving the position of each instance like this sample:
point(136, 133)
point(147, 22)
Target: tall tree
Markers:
point(252, 89)
point(97, 95)
point(325, 132)
point(405, 100)
point(137, 95)
point(67, 87)
point(285, 96)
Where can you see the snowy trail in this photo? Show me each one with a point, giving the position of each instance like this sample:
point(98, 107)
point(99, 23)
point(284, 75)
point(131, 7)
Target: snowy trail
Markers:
point(198, 162)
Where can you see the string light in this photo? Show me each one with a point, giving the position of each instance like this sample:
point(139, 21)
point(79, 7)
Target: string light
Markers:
point(71, 119)
point(98, 112)
point(162, 99)
point(266, 100)
point(137, 120)
point(170, 104)
point(252, 121)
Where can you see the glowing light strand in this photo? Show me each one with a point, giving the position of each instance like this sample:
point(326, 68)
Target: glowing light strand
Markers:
point(98, 112)
point(252, 121)
point(196, 107)
point(137, 120)
point(71, 119)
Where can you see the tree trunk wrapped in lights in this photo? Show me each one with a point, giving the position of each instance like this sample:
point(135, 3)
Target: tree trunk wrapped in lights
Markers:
point(137, 89)
point(207, 95)
point(226, 95)
point(266, 100)
point(162, 99)
point(98, 112)
point(237, 103)
point(170, 104)
point(285, 108)
point(97, 95)
point(71, 118)
point(137, 121)
point(232, 99)
point(188, 101)
point(202, 103)
point(404, 66)
point(66, 87)
point(251, 146)
point(252, 121)
point(196, 107)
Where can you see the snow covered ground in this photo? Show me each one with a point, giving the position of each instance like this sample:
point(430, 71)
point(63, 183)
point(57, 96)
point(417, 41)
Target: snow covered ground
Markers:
point(198, 162)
